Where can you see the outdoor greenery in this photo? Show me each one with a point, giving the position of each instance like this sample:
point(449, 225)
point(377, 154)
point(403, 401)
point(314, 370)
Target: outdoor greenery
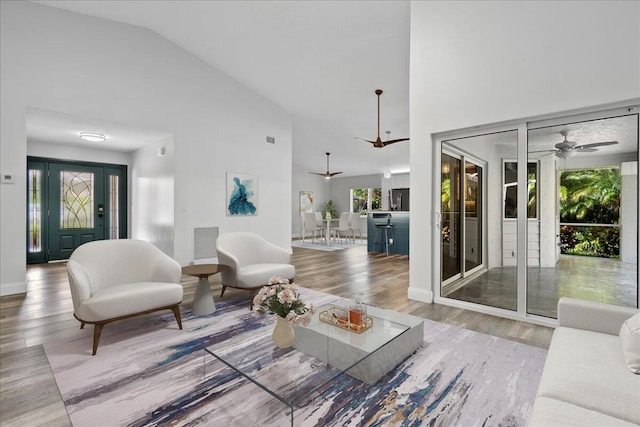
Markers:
point(601, 242)
point(360, 199)
point(590, 196)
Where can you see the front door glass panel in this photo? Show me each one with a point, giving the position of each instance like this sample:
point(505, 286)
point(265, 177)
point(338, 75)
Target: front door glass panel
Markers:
point(76, 200)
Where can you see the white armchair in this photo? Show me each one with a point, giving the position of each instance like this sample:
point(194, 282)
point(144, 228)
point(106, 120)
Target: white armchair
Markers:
point(116, 279)
point(252, 261)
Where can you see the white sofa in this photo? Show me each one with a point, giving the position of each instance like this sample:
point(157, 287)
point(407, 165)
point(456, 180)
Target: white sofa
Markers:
point(586, 381)
point(115, 279)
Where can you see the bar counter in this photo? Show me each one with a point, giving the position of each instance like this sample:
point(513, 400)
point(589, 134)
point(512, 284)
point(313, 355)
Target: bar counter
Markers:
point(400, 221)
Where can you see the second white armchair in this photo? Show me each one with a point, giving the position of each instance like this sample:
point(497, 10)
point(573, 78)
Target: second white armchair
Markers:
point(252, 261)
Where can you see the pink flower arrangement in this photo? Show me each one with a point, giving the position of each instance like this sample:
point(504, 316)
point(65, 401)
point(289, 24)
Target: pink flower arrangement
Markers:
point(281, 297)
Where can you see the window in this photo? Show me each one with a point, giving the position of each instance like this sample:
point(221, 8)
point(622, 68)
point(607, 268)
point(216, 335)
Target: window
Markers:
point(366, 199)
point(35, 210)
point(511, 190)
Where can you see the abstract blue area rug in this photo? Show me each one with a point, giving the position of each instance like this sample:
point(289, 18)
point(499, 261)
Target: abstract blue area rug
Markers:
point(147, 372)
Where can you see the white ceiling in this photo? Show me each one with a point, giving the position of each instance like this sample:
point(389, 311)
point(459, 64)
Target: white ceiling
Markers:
point(320, 60)
point(58, 128)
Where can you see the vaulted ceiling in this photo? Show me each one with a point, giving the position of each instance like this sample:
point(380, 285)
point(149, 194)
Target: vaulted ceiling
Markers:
point(319, 60)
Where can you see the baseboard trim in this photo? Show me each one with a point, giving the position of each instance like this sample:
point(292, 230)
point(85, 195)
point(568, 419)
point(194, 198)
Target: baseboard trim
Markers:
point(13, 288)
point(421, 295)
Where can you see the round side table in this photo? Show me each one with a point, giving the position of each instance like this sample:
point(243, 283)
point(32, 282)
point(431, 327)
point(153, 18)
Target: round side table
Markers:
point(203, 300)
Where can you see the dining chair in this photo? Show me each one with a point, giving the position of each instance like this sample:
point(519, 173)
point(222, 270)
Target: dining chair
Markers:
point(354, 226)
point(302, 215)
point(343, 228)
point(311, 226)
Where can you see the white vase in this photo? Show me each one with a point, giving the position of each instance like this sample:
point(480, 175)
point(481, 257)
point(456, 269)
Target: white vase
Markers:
point(283, 334)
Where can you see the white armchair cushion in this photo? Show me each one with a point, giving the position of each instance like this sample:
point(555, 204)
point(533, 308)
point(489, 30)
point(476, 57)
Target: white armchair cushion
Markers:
point(630, 338)
point(252, 276)
point(122, 300)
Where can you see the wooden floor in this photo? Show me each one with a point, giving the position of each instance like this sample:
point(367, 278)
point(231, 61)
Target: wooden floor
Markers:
point(28, 392)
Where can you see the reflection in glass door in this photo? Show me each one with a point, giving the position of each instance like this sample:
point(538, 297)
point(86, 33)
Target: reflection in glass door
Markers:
point(450, 208)
point(461, 198)
point(472, 216)
point(478, 247)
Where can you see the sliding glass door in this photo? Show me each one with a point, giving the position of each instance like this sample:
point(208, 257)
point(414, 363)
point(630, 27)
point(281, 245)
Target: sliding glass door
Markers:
point(462, 218)
point(478, 247)
point(531, 212)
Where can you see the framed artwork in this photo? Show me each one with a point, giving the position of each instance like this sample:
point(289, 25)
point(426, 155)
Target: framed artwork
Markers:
point(242, 194)
point(306, 201)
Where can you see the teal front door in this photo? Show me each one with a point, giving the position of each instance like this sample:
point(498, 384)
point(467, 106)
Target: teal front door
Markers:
point(76, 207)
point(71, 203)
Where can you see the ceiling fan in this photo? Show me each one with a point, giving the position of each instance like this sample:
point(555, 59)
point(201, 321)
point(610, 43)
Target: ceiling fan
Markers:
point(327, 174)
point(566, 148)
point(378, 143)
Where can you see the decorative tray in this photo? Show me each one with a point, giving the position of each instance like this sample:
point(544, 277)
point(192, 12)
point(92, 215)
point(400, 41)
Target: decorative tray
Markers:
point(339, 317)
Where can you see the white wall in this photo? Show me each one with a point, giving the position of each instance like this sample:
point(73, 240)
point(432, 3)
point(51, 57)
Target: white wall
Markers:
point(474, 63)
point(71, 152)
point(152, 195)
point(89, 67)
point(304, 181)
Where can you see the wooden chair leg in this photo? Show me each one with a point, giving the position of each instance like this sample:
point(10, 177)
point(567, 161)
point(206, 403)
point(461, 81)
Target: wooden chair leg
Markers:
point(177, 315)
point(253, 294)
point(224, 288)
point(97, 330)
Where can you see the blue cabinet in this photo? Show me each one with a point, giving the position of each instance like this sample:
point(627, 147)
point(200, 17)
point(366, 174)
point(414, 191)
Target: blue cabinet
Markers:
point(399, 222)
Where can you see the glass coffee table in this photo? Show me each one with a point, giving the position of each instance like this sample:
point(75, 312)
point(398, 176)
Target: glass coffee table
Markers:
point(321, 352)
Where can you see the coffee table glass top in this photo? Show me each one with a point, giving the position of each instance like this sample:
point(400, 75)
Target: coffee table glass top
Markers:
point(321, 353)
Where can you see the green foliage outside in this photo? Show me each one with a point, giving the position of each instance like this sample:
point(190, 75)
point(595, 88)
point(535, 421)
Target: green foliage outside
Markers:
point(360, 199)
point(590, 196)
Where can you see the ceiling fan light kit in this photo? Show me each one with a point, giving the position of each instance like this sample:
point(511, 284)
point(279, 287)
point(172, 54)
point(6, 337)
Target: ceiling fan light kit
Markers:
point(327, 174)
point(378, 143)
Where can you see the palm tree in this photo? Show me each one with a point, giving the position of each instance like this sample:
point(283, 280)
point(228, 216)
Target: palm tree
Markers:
point(590, 196)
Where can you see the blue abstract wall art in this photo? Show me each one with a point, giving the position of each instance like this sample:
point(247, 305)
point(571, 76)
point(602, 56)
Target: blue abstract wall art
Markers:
point(242, 194)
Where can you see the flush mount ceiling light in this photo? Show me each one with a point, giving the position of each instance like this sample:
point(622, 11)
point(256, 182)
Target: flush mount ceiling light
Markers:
point(93, 137)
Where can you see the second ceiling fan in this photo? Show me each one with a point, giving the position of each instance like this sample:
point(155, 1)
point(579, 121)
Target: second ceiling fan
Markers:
point(566, 148)
point(327, 174)
point(378, 143)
